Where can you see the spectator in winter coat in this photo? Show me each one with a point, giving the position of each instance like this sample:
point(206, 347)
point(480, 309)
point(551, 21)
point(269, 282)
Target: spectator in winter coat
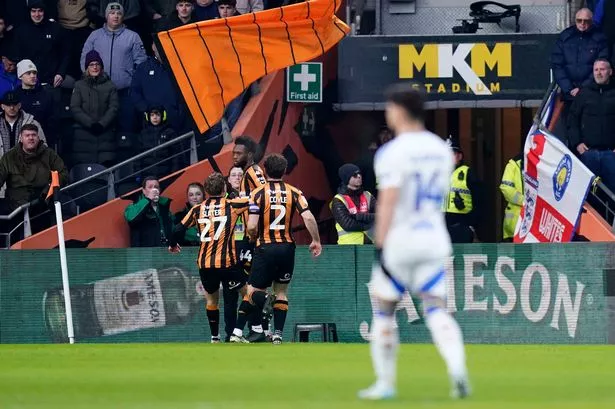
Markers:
point(182, 15)
point(591, 120)
point(149, 217)
point(43, 41)
point(153, 85)
point(8, 74)
point(26, 168)
point(36, 100)
point(156, 132)
point(121, 50)
point(574, 54)
point(94, 105)
point(12, 120)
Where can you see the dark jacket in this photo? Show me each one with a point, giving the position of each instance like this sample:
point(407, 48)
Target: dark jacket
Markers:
point(573, 57)
point(46, 45)
point(39, 102)
point(148, 227)
point(592, 117)
point(94, 100)
point(153, 85)
point(353, 222)
point(172, 21)
point(191, 236)
point(206, 13)
point(161, 161)
point(28, 175)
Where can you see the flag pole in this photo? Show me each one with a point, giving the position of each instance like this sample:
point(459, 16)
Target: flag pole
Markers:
point(54, 191)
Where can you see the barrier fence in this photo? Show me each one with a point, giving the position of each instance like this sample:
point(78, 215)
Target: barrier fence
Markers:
point(500, 293)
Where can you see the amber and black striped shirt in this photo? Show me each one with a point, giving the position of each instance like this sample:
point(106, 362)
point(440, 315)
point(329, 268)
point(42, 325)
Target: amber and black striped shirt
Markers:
point(252, 178)
point(275, 204)
point(215, 219)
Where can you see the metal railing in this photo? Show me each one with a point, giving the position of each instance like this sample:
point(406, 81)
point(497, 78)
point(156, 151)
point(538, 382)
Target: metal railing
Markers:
point(112, 177)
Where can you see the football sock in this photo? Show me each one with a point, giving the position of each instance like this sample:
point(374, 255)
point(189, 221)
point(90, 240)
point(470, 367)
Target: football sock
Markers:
point(384, 344)
point(448, 339)
point(280, 309)
point(213, 316)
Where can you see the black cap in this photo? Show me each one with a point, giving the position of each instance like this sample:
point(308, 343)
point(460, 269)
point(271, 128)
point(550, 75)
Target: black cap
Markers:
point(347, 171)
point(10, 98)
point(36, 4)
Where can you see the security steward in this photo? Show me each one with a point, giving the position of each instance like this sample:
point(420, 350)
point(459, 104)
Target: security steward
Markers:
point(353, 208)
point(463, 202)
point(512, 190)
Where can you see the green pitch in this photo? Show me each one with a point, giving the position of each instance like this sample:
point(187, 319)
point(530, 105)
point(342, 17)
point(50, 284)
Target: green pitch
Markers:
point(296, 376)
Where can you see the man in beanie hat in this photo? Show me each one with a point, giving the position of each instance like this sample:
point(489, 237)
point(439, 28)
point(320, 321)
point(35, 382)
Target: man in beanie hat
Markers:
point(35, 99)
point(463, 202)
point(43, 41)
point(12, 119)
point(353, 208)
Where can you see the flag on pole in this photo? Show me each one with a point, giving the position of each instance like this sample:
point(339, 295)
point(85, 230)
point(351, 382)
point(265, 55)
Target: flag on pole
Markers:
point(556, 184)
point(214, 61)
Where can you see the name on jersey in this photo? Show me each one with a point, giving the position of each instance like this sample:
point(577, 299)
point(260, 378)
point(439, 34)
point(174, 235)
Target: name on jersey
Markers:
point(212, 212)
point(274, 199)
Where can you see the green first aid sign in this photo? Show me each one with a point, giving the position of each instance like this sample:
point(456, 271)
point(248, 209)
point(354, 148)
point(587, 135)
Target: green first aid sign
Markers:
point(304, 82)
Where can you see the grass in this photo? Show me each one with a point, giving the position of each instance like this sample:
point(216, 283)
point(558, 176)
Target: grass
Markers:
point(296, 376)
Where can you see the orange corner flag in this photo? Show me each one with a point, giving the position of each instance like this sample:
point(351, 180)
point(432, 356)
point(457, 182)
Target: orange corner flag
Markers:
point(55, 183)
point(215, 61)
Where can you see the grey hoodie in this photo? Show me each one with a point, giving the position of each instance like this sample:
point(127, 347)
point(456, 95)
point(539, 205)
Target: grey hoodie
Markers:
point(121, 51)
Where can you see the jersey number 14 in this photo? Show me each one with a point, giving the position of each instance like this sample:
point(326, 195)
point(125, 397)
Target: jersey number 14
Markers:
point(428, 190)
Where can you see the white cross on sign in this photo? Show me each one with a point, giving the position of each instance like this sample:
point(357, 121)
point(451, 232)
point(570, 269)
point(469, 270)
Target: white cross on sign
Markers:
point(304, 77)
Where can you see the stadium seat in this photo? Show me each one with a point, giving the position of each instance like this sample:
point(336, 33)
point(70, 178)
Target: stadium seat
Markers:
point(91, 193)
point(328, 331)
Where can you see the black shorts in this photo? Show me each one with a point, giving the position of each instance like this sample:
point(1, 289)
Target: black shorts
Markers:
point(245, 253)
point(272, 263)
point(232, 278)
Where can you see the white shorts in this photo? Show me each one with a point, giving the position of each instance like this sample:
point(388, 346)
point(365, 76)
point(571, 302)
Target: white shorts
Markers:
point(420, 277)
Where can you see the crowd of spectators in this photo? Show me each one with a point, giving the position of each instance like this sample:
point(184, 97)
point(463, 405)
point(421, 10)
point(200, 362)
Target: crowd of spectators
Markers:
point(88, 76)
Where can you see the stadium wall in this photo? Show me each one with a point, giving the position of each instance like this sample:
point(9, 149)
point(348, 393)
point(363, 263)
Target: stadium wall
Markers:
point(556, 294)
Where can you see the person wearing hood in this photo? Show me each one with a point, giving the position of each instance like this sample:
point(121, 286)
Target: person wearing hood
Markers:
point(121, 51)
point(512, 190)
point(157, 131)
point(26, 168)
point(42, 40)
point(591, 119)
point(94, 105)
point(353, 208)
point(35, 99)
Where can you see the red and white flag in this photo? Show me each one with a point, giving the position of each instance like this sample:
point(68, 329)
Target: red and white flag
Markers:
point(555, 186)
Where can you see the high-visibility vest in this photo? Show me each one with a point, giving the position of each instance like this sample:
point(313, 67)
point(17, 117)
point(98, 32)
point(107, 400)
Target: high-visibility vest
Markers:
point(459, 184)
point(352, 237)
point(239, 229)
point(512, 189)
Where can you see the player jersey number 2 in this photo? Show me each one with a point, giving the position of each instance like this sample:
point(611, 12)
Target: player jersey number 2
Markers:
point(280, 213)
point(427, 189)
point(221, 220)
